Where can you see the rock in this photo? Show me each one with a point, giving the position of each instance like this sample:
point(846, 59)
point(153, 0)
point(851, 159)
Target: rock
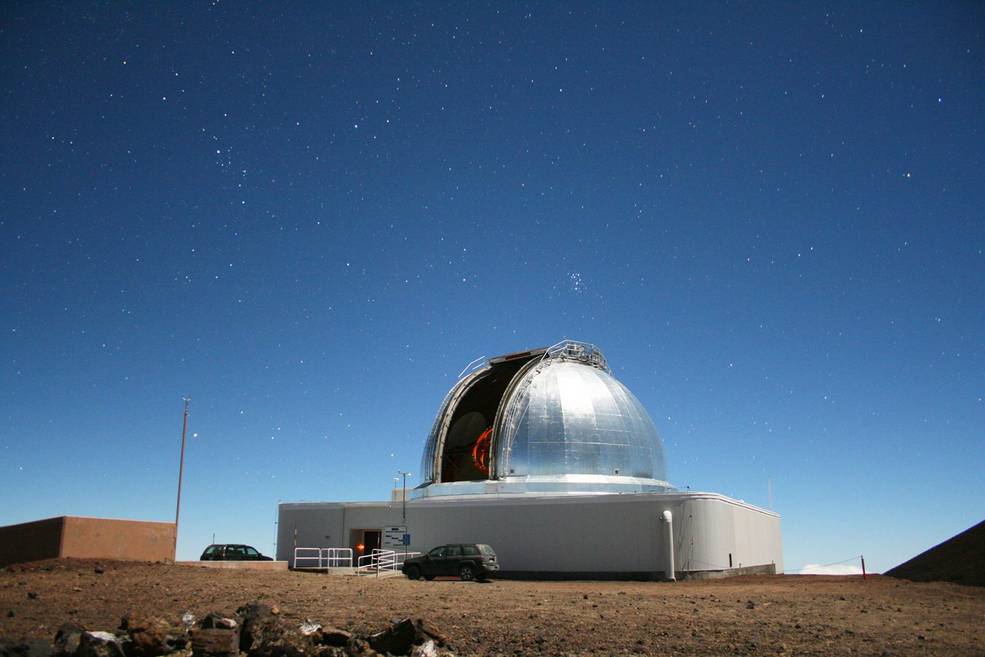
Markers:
point(216, 642)
point(67, 639)
point(397, 640)
point(332, 636)
point(29, 648)
point(39, 648)
point(258, 625)
point(149, 637)
point(11, 613)
point(750, 604)
point(100, 644)
point(360, 648)
point(99, 570)
point(216, 622)
point(265, 634)
point(402, 637)
point(33, 595)
point(432, 631)
point(426, 649)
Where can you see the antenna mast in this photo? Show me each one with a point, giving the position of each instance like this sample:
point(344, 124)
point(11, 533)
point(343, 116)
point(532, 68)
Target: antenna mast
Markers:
point(181, 472)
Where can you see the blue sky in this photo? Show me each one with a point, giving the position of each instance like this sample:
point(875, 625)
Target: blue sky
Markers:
point(309, 218)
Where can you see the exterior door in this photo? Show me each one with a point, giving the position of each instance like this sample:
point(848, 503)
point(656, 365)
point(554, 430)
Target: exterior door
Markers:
point(371, 539)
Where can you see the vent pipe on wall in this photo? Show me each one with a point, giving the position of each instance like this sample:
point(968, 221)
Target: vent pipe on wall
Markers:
point(668, 519)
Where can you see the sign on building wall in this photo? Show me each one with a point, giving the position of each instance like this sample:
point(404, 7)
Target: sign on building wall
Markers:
point(393, 537)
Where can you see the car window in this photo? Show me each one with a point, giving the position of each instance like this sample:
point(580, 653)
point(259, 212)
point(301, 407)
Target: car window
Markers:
point(470, 550)
point(234, 552)
point(211, 550)
point(487, 550)
point(437, 552)
point(453, 551)
point(251, 552)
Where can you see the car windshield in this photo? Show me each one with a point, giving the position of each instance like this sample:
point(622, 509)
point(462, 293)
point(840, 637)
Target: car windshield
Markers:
point(437, 552)
point(487, 550)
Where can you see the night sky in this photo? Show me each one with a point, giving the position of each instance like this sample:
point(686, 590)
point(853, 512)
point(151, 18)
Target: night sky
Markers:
point(309, 217)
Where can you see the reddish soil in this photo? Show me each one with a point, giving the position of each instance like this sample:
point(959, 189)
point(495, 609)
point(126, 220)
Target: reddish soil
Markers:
point(776, 615)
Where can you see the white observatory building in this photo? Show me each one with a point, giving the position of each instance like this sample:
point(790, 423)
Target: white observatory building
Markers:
point(548, 458)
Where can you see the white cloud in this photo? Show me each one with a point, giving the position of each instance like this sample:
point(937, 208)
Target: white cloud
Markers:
point(834, 569)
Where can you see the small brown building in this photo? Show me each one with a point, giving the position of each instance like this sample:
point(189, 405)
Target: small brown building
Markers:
point(87, 538)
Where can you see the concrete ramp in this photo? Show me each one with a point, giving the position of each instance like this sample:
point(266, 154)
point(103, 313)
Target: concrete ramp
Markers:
point(236, 565)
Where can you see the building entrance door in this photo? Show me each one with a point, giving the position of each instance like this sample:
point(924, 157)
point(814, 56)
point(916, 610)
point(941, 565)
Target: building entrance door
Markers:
point(371, 539)
point(363, 542)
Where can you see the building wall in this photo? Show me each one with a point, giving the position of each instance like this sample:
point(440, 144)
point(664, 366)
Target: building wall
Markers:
point(127, 540)
point(716, 528)
point(31, 541)
point(87, 538)
point(590, 534)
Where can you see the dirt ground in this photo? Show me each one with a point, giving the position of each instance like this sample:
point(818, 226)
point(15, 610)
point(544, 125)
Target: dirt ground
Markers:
point(763, 615)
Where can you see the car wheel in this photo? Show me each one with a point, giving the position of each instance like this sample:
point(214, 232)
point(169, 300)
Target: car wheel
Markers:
point(413, 572)
point(465, 573)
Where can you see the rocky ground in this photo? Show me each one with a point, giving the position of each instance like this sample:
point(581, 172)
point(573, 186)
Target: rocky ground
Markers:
point(780, 615)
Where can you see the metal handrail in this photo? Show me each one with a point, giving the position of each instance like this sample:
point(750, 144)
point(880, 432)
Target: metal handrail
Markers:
point(338, 557)
point(382, 561)
point(371, 561)
point(299, 557)
point(576, 350)
point(325, 558)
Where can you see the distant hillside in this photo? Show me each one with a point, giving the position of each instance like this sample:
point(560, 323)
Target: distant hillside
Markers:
point(960, 559)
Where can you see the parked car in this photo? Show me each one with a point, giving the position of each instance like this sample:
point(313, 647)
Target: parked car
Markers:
point(232, 552)
point(467, 561)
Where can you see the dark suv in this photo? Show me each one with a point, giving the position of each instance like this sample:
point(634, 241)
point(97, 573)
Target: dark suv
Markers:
point(232, 553)
point(467, 561)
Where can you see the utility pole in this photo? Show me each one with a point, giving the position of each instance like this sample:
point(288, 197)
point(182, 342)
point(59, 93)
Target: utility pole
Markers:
point(181, 472)
point(404, 512)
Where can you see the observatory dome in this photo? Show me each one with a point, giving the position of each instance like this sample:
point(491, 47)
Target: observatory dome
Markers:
point(544, 420)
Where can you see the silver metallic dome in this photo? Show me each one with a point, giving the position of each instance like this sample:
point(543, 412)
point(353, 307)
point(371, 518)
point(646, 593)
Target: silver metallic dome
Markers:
point(569, 418)
point(545, 420)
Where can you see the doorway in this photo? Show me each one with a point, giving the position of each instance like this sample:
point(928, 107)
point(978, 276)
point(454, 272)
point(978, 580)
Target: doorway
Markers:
point(363, 542)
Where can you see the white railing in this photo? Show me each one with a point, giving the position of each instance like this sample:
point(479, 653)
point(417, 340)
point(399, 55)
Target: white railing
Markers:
point(338, 557)
point(305, 555)
point(382, 561)
point(322, 558)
